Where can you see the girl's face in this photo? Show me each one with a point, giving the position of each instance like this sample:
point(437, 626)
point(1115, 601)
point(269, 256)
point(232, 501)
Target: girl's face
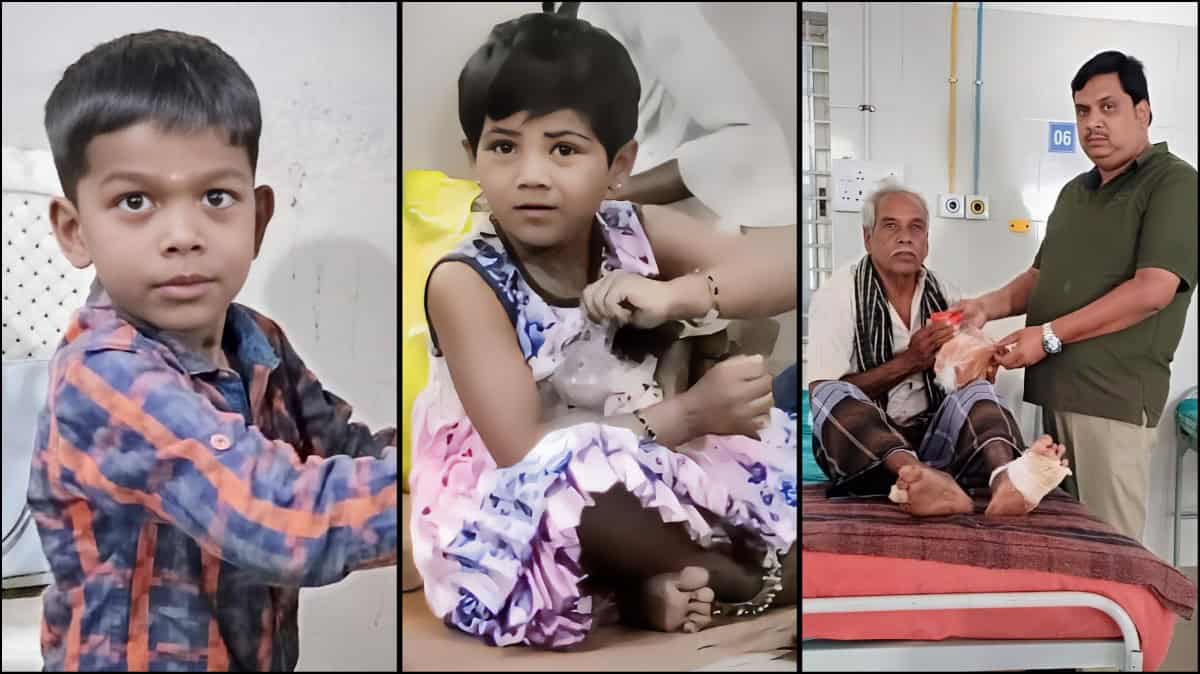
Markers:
point(544, 178)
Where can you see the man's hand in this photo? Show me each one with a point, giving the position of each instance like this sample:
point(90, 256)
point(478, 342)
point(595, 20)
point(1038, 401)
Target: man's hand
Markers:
point(660, 185)
point(923, 348)
point(974, 315)
point(1022, 348)
point(993, 368)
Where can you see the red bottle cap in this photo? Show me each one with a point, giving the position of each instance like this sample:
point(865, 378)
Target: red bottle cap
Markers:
point(951, 317)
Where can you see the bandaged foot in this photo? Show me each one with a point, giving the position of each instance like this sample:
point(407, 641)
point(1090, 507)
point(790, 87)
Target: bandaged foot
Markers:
point(1019, 486)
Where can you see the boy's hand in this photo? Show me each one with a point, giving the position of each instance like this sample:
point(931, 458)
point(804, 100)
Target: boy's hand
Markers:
point(628, 299)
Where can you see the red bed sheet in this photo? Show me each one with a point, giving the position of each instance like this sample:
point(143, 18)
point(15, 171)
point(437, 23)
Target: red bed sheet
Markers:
point(834, 575)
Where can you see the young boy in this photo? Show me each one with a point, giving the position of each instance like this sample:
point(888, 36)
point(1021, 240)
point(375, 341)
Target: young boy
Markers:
point(190, 473)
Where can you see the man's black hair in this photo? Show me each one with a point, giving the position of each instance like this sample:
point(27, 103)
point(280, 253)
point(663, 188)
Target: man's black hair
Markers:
point(181, 82)
point(1128, 69)
point(543, 62)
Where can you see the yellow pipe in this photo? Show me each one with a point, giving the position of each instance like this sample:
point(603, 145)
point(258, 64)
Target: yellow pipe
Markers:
point(953, 88)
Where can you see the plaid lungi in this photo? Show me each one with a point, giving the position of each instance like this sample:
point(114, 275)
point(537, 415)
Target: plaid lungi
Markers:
point(853, 437)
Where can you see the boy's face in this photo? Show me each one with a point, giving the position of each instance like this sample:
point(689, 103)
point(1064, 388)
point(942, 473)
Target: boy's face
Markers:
point(553, 161)
point(173, 246)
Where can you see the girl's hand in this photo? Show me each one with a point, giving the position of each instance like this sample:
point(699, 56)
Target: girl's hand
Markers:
point(732, 398)
point(628, 299)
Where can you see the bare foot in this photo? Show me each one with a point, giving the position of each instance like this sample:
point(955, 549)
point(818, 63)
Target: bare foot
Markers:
point(675, 601)
point(931, 492)
point(1006, 500)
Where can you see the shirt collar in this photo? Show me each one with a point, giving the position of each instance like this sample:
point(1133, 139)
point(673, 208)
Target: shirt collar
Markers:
point(1092, 179)
point(250, 345)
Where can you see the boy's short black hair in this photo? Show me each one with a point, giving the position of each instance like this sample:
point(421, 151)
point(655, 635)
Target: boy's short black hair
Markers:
point(181, 82)
point(541, 63)
point(1128, 69)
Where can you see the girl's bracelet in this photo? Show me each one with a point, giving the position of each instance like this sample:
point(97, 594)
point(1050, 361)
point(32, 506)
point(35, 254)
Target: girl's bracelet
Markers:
point(713, 293)
point(637, 414)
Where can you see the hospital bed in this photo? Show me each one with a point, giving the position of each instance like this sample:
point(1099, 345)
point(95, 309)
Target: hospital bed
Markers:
point(863, 612)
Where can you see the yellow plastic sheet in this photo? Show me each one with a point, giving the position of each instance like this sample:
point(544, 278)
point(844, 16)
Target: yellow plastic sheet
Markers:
point(436, 217)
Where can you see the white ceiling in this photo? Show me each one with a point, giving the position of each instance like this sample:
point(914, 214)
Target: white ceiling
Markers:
point(1173, 13)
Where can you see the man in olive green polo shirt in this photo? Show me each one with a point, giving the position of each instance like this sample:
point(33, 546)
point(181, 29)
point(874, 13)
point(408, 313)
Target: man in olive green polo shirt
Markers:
point(1107, 296)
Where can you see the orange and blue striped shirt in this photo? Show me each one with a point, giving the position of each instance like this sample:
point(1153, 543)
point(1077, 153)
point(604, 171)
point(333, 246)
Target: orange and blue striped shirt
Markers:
point(182, 506)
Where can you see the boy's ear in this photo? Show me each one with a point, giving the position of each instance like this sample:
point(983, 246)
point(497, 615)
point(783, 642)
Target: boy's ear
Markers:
point(264, 208)
point(64, 221)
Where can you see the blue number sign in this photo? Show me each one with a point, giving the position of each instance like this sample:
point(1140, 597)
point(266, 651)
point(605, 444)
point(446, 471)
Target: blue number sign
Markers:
point(1062, 137)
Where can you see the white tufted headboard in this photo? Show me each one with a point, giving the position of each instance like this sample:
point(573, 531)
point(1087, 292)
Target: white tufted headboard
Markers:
point(41, 288)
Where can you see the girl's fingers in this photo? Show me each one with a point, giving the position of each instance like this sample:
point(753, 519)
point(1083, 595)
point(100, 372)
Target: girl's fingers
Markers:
point(762, 406)
point(592, 295)
point(585, 301)
point(600, 298)
point(612, 306)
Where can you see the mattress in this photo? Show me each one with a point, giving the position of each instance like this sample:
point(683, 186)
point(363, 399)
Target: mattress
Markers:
point(841, 575)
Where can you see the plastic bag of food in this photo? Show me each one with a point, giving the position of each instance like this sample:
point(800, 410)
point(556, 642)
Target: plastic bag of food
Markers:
point(963, 359)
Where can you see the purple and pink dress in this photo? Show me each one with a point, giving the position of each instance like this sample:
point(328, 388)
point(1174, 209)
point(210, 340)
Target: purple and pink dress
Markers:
point(497, 548)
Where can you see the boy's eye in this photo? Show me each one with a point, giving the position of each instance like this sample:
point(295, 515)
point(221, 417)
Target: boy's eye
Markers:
point(136, 200)
point(216, 204)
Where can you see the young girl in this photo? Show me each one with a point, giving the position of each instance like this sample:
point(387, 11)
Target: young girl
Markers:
point(547, 469)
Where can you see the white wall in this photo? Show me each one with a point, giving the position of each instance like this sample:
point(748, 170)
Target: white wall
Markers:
point(761, 36)
point(326, 77)
point(1028, 63)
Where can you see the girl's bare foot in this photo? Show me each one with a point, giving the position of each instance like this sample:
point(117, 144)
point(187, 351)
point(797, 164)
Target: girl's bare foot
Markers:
point(677, 601)
point(931, 492)
point(1006, 500)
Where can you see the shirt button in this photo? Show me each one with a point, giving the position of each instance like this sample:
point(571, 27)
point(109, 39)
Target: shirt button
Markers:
point(219, 442)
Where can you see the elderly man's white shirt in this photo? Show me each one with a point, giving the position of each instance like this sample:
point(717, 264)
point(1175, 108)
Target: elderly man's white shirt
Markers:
point(830, 350)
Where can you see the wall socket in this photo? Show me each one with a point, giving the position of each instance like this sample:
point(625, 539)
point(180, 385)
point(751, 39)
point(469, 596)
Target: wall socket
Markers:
point(950, 206)
point(854, 180)
point(977, 207)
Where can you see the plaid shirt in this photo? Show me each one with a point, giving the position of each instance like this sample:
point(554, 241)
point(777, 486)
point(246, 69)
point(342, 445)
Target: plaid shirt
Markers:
point(182, 506)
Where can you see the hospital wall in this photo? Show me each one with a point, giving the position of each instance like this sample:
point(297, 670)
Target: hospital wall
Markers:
point(1028, 63)
point(327, 273)
point(760, 35)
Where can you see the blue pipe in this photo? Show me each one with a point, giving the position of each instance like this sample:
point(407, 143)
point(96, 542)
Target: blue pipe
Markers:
point(978, 84)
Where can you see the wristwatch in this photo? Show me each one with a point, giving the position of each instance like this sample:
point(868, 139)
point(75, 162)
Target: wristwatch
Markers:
point(1050, 341)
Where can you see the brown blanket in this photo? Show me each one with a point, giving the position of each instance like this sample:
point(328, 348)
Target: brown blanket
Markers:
point(1059, 537)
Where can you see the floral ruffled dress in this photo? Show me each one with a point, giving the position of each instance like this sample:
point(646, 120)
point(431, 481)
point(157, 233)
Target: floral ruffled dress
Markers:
point(497, 547)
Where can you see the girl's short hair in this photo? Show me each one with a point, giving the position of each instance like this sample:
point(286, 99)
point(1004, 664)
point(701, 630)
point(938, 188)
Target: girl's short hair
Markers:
point(181, 82)
point(541, 63)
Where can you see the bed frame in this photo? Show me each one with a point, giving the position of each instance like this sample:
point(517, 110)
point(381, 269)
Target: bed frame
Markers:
point(966, 655)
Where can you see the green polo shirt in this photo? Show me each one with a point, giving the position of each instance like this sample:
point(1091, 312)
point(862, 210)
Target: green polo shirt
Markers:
point(1096, 239)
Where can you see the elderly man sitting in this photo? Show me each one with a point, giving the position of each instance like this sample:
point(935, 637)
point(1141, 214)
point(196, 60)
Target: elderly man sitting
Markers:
point(880, 423)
